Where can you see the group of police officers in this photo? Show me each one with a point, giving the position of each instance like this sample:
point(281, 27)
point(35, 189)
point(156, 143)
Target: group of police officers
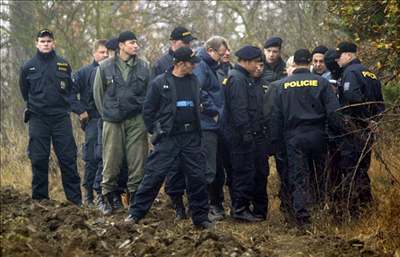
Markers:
point(210, 122)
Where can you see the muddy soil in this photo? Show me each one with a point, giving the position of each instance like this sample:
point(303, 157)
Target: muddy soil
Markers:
point(51, 228)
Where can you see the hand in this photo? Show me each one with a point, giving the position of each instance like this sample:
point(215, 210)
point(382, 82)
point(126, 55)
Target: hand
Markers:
point(215, 118)
point(83, 117)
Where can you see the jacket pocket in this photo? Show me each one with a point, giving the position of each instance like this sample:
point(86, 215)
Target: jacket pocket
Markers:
point(35, 84)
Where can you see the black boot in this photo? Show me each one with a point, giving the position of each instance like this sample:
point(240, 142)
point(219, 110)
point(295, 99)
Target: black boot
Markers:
point(116, 201)
point(179, 207)
point(89, 197)
point(216, 212)
point(102, 205)
point(131, 201)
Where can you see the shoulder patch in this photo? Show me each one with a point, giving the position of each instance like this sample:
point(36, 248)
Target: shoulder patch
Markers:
point(368, 74)
point(225, 81)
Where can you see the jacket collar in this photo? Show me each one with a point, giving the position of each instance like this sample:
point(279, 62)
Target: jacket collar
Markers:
point(46, 56)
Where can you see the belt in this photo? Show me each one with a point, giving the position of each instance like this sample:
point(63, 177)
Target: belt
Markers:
point(184, 128)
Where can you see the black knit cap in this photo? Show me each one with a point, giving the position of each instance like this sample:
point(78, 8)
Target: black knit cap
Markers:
point(44, 33)
point(321, 49)
point(185, 54)
point(112, 44)
point(302, 56)
point(346, 47)
point(125, 36)
point(249, 52)
point(273, 42)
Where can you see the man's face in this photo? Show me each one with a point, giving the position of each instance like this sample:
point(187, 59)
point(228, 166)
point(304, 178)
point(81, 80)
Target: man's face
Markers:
point(45, 44)
point(344, 59)
point(318, 63)
point(272, 54)
point(100, 54)
point(187, 67)
point(259, 70)
point(227, 56)
point(175, 44)
point(130, 47)
point(217, 54)
point(251, 66)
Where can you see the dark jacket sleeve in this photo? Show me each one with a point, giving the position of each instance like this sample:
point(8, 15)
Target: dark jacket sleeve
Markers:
point(23, 84)
point(151, 106)
point(209, 107)
point(277, 121)
point(237, 94)
point(352, 88)
point(331, 103)
point(79, 106)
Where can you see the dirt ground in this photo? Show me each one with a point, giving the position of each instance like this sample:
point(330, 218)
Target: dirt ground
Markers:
point(51, 228)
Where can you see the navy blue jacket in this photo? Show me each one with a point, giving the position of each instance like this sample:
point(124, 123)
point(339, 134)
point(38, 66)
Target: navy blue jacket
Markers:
point(160, 102)
point(83, 86)
point(163, 64)
point(243, 105)
point(359, 85)
point(46, 84)
point(303, 101)
point(273, 73)
point(211, 93)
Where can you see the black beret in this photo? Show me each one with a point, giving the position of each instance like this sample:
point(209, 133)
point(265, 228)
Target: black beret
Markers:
point(321, 49)
point(181, 33)
point(44, 33)
point(346, 47)
point(302, 56)
point(273, 41)
point(185, 54)
point(112, 44)
point(249, 52)
point(125, 36)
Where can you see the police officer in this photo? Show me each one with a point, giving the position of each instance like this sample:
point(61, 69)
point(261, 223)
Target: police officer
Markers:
point(274, 70)
point(46, 84)
point(318, 61)
point(243, 128)
point(174, 185)
point(360, 94)
point(274, 66)
point(179, 37)
point(172, 115)
point(88, 115)
point(304, 103)
point(119, 90)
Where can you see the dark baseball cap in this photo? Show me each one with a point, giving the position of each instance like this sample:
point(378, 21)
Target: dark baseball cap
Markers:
point(321, 49)
point(273, 42)
point(249, 52)
point(185, 54)
point(346, 47)
point(125, 36)
point(181, 33)
point(44, 33)
point(302, 56)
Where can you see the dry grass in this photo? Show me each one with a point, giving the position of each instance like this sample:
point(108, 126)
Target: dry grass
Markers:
point(380, 227)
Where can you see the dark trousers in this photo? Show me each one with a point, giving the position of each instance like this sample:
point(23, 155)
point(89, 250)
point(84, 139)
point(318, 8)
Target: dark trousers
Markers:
point(302, 148)
point(216, 188)
point(44, 130)
point(281, 162)
point(352, 183)
point(184, 149)
point(89, 156)
point(122, 179)
point(260, 201)
point(175, 184)
point(249, 176)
